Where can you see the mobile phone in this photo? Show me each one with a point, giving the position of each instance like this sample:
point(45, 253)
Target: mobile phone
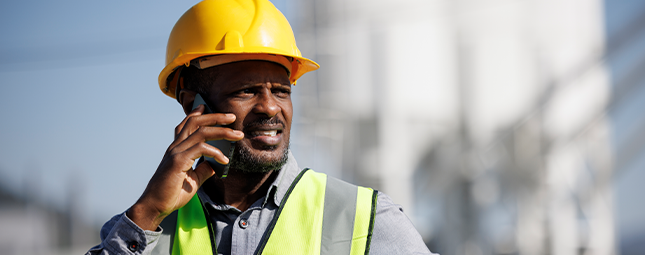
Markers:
point(227, 147)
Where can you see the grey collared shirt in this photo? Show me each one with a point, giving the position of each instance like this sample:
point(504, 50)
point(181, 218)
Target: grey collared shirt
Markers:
point(238, 232)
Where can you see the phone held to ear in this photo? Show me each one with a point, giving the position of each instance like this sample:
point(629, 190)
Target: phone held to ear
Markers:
point(227, 147)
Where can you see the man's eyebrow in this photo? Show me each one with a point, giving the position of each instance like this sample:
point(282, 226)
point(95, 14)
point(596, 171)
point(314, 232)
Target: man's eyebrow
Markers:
point(285, 84)
point(253, 82)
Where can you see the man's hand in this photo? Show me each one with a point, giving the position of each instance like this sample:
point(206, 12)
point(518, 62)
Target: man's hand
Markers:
point(175, 182)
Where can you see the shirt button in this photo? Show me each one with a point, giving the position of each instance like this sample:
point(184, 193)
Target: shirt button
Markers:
point(244, 223)
point(132, 246)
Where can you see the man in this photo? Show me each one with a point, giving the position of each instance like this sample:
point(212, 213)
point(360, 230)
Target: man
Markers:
point(240, 57)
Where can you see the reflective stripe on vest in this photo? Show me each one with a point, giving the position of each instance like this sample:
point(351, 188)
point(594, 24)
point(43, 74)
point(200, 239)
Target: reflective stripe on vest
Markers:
point(318, 215)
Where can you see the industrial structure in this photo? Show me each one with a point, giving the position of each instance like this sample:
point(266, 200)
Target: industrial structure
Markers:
point(489, 121)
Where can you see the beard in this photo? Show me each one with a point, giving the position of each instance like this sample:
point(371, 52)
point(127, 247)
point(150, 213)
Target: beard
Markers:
point(244, 160)
point(247, 162)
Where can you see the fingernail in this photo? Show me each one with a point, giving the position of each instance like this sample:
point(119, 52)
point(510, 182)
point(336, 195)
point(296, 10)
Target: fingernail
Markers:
point(237, 132)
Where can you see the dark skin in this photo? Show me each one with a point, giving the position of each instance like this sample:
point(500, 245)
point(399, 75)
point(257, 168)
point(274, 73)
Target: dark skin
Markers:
point(243, 93)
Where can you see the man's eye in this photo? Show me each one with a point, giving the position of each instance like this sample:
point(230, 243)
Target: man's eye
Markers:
point(246, 91)
point(282, 92)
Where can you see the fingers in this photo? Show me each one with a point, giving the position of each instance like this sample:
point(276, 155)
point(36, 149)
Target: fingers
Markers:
point(194, 120)
point(191, 136)
point(204, 149)
point(194, 123)
point(196, 112)
point(204, 134)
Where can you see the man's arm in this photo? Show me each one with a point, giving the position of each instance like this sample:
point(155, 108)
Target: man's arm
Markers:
point(122, 236)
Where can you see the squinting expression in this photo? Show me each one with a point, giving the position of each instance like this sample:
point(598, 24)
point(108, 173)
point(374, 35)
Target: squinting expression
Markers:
point(259, 94)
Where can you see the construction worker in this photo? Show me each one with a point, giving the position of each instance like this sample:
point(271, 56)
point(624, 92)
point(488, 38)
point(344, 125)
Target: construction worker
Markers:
point(231, 65)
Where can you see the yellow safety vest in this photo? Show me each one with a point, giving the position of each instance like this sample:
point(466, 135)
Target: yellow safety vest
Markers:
point(318, 215)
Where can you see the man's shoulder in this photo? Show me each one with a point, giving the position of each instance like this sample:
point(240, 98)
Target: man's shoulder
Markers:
point(393, 232)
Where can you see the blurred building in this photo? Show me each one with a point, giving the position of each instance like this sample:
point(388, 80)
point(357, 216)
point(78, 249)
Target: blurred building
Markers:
point(494, 123)
point(32, 226)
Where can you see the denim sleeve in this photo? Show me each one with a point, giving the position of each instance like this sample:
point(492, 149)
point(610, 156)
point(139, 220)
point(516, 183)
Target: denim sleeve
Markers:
point(393, 232)
point(122, 236)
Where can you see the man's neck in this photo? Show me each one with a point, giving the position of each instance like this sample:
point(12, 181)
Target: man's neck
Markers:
point(239, 189)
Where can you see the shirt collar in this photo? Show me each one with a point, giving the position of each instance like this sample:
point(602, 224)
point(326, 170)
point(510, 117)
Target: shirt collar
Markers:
point(281, 184)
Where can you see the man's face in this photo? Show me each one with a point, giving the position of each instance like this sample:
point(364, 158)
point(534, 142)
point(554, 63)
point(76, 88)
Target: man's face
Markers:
point(259, 94)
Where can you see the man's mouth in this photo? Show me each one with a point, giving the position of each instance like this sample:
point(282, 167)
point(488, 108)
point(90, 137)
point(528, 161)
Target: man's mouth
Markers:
point(265, 136)
point(265, 133)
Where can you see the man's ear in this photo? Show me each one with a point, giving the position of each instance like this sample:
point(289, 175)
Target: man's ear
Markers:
point(186, 99)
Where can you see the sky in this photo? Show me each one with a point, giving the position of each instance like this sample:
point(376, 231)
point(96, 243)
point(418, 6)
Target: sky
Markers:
point(627, 119)
point(81, 110)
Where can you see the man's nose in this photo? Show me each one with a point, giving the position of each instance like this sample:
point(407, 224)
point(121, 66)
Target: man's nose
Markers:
point(266, 104)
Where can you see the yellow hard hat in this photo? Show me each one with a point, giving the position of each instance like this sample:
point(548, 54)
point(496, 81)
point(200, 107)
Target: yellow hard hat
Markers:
point(229, 31)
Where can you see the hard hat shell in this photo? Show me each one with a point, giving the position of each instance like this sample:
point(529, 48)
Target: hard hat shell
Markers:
point(246, 27)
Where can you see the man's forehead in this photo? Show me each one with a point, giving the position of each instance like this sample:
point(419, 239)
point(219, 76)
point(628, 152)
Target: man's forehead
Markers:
point(253, 72)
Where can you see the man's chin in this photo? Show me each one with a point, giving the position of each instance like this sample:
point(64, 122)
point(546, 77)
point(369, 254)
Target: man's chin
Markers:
point(259, 161)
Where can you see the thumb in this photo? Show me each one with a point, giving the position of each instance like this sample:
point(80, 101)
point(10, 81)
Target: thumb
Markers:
point(203, 172)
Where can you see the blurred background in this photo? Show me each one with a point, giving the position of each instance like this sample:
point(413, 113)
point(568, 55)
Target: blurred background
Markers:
point(501, 126)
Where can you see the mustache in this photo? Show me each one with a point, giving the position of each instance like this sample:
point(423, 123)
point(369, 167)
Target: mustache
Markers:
point(264, 122)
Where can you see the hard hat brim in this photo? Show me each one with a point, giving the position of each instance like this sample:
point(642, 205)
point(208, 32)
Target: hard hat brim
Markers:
point(299, 66)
